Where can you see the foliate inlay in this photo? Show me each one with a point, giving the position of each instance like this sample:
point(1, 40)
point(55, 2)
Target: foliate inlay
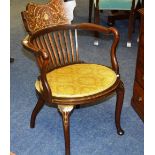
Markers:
point(65, 111)
point(46, 16)
point(65, 108)
point(39, 16)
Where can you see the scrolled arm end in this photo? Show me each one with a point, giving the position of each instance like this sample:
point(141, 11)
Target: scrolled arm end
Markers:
point(45, 54)
point(28, 45)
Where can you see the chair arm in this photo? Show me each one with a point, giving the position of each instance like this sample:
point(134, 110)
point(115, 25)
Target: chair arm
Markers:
point(114, 60)
point(28, 45)
point(105, 30)
point(47, 93)
point(38, 52)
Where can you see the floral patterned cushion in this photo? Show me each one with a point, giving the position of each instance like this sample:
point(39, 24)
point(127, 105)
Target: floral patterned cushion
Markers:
point(79, 80)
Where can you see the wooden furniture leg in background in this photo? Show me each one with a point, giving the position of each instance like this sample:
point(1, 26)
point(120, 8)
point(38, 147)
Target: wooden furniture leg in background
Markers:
point(117, 15)
point(137, 100)
point(90, 10)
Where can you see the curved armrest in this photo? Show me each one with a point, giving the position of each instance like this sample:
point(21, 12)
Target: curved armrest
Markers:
point(28, 45)
point(114, 61)
point(105, 30)
point(90, 27)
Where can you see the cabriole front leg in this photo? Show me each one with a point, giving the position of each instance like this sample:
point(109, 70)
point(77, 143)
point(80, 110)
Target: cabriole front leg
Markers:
point(36, 110)
point(119, 103)
point(65, 111)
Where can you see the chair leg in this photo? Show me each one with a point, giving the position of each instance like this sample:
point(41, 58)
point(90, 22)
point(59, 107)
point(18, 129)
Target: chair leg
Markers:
point(36, 110)
point(77, 106)
point(65, 111)
point(90, 10)
point(96, 19)
point(119, 103)
point(130, 27)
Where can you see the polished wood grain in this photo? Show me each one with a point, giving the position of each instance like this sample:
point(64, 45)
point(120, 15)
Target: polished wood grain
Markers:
point(38, 16)
point(120, 94)
point(36, 110)
point(137, 100)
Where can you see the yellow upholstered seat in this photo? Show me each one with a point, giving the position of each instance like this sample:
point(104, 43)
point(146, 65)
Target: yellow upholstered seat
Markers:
point(79, 80)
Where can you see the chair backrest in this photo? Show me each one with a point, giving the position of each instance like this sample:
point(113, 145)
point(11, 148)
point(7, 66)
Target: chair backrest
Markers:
point(61, 46)
point(61, 43)
point(39, 16)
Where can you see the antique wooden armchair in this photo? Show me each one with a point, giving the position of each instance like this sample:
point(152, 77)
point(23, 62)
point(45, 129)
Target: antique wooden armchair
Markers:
point(65, 80)
point(128, 5)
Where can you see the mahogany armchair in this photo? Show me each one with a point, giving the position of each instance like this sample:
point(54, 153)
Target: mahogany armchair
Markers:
point(66, 80)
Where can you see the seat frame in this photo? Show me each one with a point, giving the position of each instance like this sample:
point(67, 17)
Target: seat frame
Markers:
point(66, 105)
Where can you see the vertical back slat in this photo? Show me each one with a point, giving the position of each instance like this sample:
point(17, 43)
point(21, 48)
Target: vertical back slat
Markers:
point(62, 47)
point(67, 46)
point(39, 59)
point(58, 49)
point(49, 50)
point(72, 45)
point(38, 43)
point(53, 49)
point(39, 46)
point(76, 46)
point(42, 41)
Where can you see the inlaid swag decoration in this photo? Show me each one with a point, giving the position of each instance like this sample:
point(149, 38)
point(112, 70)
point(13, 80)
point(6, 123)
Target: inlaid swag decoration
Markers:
point(39, 16)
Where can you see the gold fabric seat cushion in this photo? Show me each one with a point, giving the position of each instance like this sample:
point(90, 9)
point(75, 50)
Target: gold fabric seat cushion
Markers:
point(79, 80)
